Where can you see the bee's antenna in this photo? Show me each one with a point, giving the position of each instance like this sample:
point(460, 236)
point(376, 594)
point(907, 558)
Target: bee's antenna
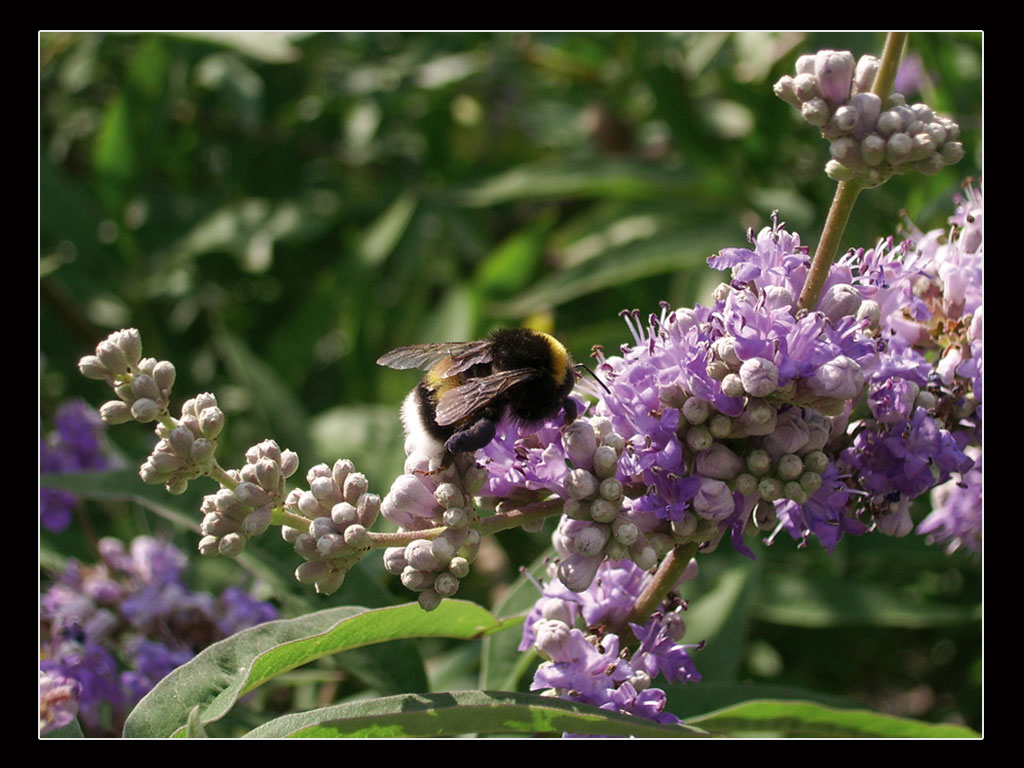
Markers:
point(585, 367)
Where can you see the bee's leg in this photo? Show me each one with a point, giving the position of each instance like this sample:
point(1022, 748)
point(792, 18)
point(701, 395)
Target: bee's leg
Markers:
point(569, 406)
point(473, 437)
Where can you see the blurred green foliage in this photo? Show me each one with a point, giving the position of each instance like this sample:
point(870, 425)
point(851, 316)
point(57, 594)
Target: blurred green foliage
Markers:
point(275, 210)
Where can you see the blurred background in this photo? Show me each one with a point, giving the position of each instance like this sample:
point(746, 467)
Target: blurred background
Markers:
point(276, 210)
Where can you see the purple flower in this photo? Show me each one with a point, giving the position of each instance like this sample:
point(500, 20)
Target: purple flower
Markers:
point(590, 667)
point(74, 446)
point(58, 701)
point(955, 520)
point(119, 627)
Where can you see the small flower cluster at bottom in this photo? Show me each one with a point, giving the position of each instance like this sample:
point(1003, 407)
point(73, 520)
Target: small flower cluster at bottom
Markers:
point(133, 607)
point(595, 666)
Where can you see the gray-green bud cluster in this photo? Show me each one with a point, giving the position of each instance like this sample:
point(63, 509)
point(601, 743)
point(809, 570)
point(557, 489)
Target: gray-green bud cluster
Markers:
point(142, 385)
point(594, 525)
point(233, 515)
point(434, 568)
point(340, 510)
point(185, 450)
point(869, 139)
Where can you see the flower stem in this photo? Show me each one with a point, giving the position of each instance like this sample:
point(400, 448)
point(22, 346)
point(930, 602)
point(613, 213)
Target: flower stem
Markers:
point(501, 521)
point(664, 581)
point(828, 246)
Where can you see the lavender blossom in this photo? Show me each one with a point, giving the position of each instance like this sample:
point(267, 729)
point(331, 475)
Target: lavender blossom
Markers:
point(74, 446)
point(118, 627)
point(591, 666)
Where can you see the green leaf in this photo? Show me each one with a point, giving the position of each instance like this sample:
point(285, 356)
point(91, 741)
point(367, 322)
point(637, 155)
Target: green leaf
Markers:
point(464, 712)
point(502, 665)
point(665, 252)
point(805, 719)
point(830, 602)
point(218, 676)
point(543, 181)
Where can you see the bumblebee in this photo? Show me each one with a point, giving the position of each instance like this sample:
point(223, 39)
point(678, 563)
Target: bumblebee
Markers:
point(471, 385)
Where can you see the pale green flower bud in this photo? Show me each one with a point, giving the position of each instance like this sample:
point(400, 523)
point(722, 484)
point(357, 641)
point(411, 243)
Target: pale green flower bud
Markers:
point(459, 567)
point(591, 540)
point(330, 582)
point(448, 495)
point(232, 545)
point(790, 467)
point(111, 356)
point(211, 422)
point(145, 386)
point(394, 560)
point(769, 488)
point(92, 367)
point(446, 584)
point(176, 486)
point(145, 410)
point(759, 377)
point(355, 485)
point(115, 412)
point(428, 599)
point(759, 462)
point(357, 537)
point(699, 438)
point(418, 554)
point(580, 484)
point(603, 511)
point(258, 521)
point(208, 546)
point(696, 411)
point(810, 481)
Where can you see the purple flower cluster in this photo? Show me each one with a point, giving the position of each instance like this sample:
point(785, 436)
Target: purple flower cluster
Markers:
point(75, 445)
point(592, 665)
point(117, 628)
point(925, 396)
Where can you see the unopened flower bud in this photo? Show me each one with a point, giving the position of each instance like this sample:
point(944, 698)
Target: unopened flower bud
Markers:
point(258, 521)
point(208, 546)
point(448, 495)
point(580, 484)
point(834, 70)
point(718, 462)
point(696, 411)
point(760, 377)
point(330, 582)
point(580, 441)
point(418, 554)
point(145, 410)
point(591, 540)
point(446, 585)
point(115, 412)
point(232, 545)
point(459, 567)
point(577, 571)
point(428, 599)
point(92, 367)
point(603, 511)
point(394, 560)
point(111, 356)
point(357, 537)
point(790, 467)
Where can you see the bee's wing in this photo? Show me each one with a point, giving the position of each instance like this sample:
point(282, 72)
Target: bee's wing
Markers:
point(464, 354)
point(459, 402)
